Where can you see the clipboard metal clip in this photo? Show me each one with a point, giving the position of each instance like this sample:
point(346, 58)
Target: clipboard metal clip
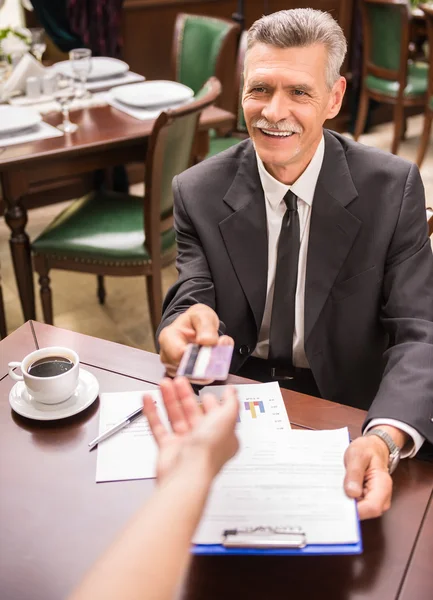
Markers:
point(264, 537)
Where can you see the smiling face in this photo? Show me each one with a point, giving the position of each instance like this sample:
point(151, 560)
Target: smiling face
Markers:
point(286, 101)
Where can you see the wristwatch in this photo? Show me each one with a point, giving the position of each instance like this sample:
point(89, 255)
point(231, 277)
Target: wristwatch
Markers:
point(394, 450)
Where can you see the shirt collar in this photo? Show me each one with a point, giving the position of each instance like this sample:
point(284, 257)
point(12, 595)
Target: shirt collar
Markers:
point(303, 187)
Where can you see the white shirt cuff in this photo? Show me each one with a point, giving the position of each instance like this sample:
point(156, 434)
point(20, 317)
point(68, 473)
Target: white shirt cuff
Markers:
point(410, 449)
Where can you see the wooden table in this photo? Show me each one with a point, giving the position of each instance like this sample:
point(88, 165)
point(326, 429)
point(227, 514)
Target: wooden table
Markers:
point(55, 520)
point(106, 137)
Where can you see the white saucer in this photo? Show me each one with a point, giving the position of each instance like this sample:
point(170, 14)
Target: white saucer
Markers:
point(85, 394)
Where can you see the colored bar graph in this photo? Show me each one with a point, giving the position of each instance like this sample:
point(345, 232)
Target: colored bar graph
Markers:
point(251, 406)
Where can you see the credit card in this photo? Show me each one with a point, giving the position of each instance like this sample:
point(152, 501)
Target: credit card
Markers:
point(206, 362)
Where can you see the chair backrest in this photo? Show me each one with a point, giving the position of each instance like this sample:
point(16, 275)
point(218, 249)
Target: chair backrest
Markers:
point(204, 47)
point(169, 153)
point(386, 25)
point(430, 221)
point(428, 12)
point(242, 48)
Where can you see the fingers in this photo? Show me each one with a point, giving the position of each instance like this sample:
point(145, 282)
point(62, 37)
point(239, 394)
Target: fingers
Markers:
point(367, 478)
point(199, 324)
point(377, 498)
point(225, 340)
point(228, 408)
point(173, 341)
point(188, 401)
point(210, 402)
point(231, 403)
point(356, 461)
point(205, 323)
point(175, 412)
point(151, 413)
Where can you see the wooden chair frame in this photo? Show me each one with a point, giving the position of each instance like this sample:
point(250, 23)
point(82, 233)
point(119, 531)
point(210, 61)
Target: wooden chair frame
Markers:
point(400, 102)
point(154, 225)
point(430, 221)
point(428, 115)
point(3, 330)
point(227, 52)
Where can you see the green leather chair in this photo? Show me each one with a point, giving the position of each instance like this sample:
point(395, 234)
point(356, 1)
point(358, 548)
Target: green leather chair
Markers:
point(204, 47)
point(388, 75)
point(109, 233)
point(428, 114)
point(218, 143)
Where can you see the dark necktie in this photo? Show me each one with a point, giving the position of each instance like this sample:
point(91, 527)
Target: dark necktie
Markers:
point(286, 275)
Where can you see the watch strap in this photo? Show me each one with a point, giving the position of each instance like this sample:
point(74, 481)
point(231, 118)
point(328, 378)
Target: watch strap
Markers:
point(394, 450)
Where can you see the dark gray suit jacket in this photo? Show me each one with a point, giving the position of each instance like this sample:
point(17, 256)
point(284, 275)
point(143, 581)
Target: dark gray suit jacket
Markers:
point(369, 281)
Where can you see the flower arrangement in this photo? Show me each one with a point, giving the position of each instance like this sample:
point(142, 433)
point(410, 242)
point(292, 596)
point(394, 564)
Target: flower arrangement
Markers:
point(14, 40)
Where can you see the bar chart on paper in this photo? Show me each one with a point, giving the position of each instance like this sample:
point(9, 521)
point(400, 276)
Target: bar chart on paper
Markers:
point(261, 408)
point(255, 407)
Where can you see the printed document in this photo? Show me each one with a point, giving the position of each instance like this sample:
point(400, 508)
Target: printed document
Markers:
point(131, 452)
point(292, 482)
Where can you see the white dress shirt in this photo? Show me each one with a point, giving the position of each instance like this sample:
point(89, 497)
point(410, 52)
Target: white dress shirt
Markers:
point(304, 188)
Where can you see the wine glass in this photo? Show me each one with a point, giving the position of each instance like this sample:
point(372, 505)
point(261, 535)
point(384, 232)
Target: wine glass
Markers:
point(37, 44)
point(81, 64)
point(5, 69)
point(64, 93)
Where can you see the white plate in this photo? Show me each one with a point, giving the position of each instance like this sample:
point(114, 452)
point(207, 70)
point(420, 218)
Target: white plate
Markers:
point(85, 394)
point(102, 68)
point(152, 93)
point(14, 118)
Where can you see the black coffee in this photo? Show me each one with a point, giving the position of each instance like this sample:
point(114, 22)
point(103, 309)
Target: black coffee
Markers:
point(50, 366)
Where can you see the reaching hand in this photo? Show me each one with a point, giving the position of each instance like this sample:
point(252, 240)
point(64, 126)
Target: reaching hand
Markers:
point(367, 478)
point(199, 325)
point(208, 432)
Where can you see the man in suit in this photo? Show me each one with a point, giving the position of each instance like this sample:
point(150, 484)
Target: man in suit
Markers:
point(309, 252)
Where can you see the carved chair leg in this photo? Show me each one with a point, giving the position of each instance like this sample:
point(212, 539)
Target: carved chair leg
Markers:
point(46, 299)
point(404, 128)
point(101, 289)
point(362, 115)
point(425, 138)
point(398, 127)
point(154, 297)
point(3, 330)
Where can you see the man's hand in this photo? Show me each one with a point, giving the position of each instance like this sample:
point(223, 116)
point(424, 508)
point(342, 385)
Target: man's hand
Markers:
point(367, 478)
point(207, 433)
point(197, 325)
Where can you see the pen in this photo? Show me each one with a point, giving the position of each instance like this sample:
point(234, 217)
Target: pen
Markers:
point(123, 423)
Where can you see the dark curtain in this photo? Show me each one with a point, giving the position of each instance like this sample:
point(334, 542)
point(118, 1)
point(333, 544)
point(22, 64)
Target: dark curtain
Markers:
point(94, 24)
point(53, 17)
point(98, 24)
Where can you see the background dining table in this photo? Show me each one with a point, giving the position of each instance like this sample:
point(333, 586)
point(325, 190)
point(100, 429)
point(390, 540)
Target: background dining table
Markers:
point(106, 137)
point(55, 520)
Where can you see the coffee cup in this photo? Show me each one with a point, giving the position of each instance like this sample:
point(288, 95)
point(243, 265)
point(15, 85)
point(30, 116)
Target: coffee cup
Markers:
point(49, 374)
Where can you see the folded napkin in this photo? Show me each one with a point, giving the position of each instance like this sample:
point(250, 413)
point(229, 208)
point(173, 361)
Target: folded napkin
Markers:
point(28, 66)
point(46, 104)
point(39, 132)
point(143, 114)
point(103, 84)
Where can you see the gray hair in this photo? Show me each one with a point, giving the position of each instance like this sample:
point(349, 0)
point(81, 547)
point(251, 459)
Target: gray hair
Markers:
point(302, 27)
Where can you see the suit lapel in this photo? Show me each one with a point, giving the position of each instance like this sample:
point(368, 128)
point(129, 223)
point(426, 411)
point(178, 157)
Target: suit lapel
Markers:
point(245, 233)
point(333, 229)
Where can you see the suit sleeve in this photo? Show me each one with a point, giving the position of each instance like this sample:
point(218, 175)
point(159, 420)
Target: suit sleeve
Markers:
point(406, 390)
point(194, 284)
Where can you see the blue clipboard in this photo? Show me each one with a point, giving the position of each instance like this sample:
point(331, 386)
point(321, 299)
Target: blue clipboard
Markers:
point(268, 548)
point(262, 541)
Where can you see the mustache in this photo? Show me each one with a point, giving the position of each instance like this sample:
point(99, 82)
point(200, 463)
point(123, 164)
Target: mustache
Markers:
point(280, 126)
